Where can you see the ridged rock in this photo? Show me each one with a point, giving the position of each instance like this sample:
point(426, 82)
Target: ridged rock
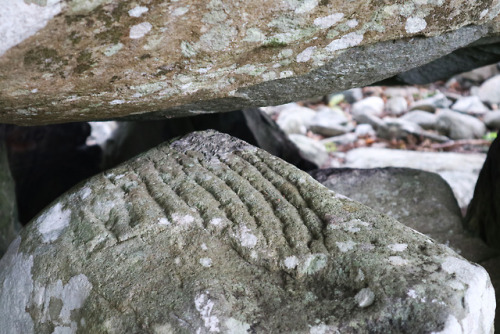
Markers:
point(209, 234)
point(76, 60)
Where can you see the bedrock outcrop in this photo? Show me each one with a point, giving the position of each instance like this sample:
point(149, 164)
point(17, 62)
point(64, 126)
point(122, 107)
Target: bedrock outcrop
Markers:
point(209, 234)
point(78, 60)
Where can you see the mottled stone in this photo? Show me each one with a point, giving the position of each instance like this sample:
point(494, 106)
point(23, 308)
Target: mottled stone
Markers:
point(209, 234)
point(89, 60)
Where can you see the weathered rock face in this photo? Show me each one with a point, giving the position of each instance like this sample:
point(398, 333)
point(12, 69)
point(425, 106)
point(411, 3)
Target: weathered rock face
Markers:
point(9, 225)
point(420, 200)
point(209, 234)
point(88, 60)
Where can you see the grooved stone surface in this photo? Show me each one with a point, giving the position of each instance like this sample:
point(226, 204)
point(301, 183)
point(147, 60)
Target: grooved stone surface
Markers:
point(211, 235)
point(64, 61)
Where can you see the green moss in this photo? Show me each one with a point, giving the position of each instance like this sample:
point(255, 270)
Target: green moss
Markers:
point(74, 37)
point(84, 61)
point(44, 59)
point(111, 35)
point(274, 43)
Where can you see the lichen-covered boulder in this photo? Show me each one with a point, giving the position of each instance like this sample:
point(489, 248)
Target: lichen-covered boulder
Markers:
point(209, 234)
point(99, 59)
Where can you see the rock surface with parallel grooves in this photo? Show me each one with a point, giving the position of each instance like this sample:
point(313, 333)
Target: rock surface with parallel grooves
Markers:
point(209, 234)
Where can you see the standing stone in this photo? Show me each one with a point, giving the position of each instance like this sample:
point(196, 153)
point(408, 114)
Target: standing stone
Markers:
point(209, 234)
point(9, 225)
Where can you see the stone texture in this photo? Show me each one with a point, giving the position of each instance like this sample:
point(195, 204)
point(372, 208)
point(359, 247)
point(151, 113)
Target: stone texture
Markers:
point(425, 119)
point(492, 119)
point(418, 199)
point(489, 91)
point(470, 104)
point(421, 200)
point(89, 60)
point(459, 170)
point(209, 234)
point(9, 224)
point(459, 126)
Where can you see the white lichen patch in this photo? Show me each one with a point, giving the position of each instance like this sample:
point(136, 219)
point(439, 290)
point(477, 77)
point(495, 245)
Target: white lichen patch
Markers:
point(115, 102)
point(345, 246)
point(365, 297)
point(182, 219)
point(360, 276)
point(479, 297)
point(328, 21)
point(346, 41)
point(254, 35)
point(397, 261)
point(72, 296)
point(322, 329)
point(204, 246)
point(85, 192)
point(20, 20)
point(206, 262)
point(306, 54)
point(313, 263)
point(305, 6)
point(291, 262)
point(205, 306)
point(137, 11)
point(215, 221)
point(52, 222)
point(15, 291)
point(397, 247)
point(140, 30)
point(247, 239)
point(415, 24)
point(286, 74)
point(113, 49)
point(180, 11)
point(352, 23)
point(163, 221)
point(412, 293)
point(483, 13)
point(234, 326)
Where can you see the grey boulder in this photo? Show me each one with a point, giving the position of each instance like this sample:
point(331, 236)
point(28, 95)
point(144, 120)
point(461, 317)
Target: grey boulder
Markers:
point(459, 126)
point(208, 234)
point(489, 91)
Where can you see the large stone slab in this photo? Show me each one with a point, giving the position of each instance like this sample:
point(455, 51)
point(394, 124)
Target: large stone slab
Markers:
point(209, 234)
point(86, 60)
